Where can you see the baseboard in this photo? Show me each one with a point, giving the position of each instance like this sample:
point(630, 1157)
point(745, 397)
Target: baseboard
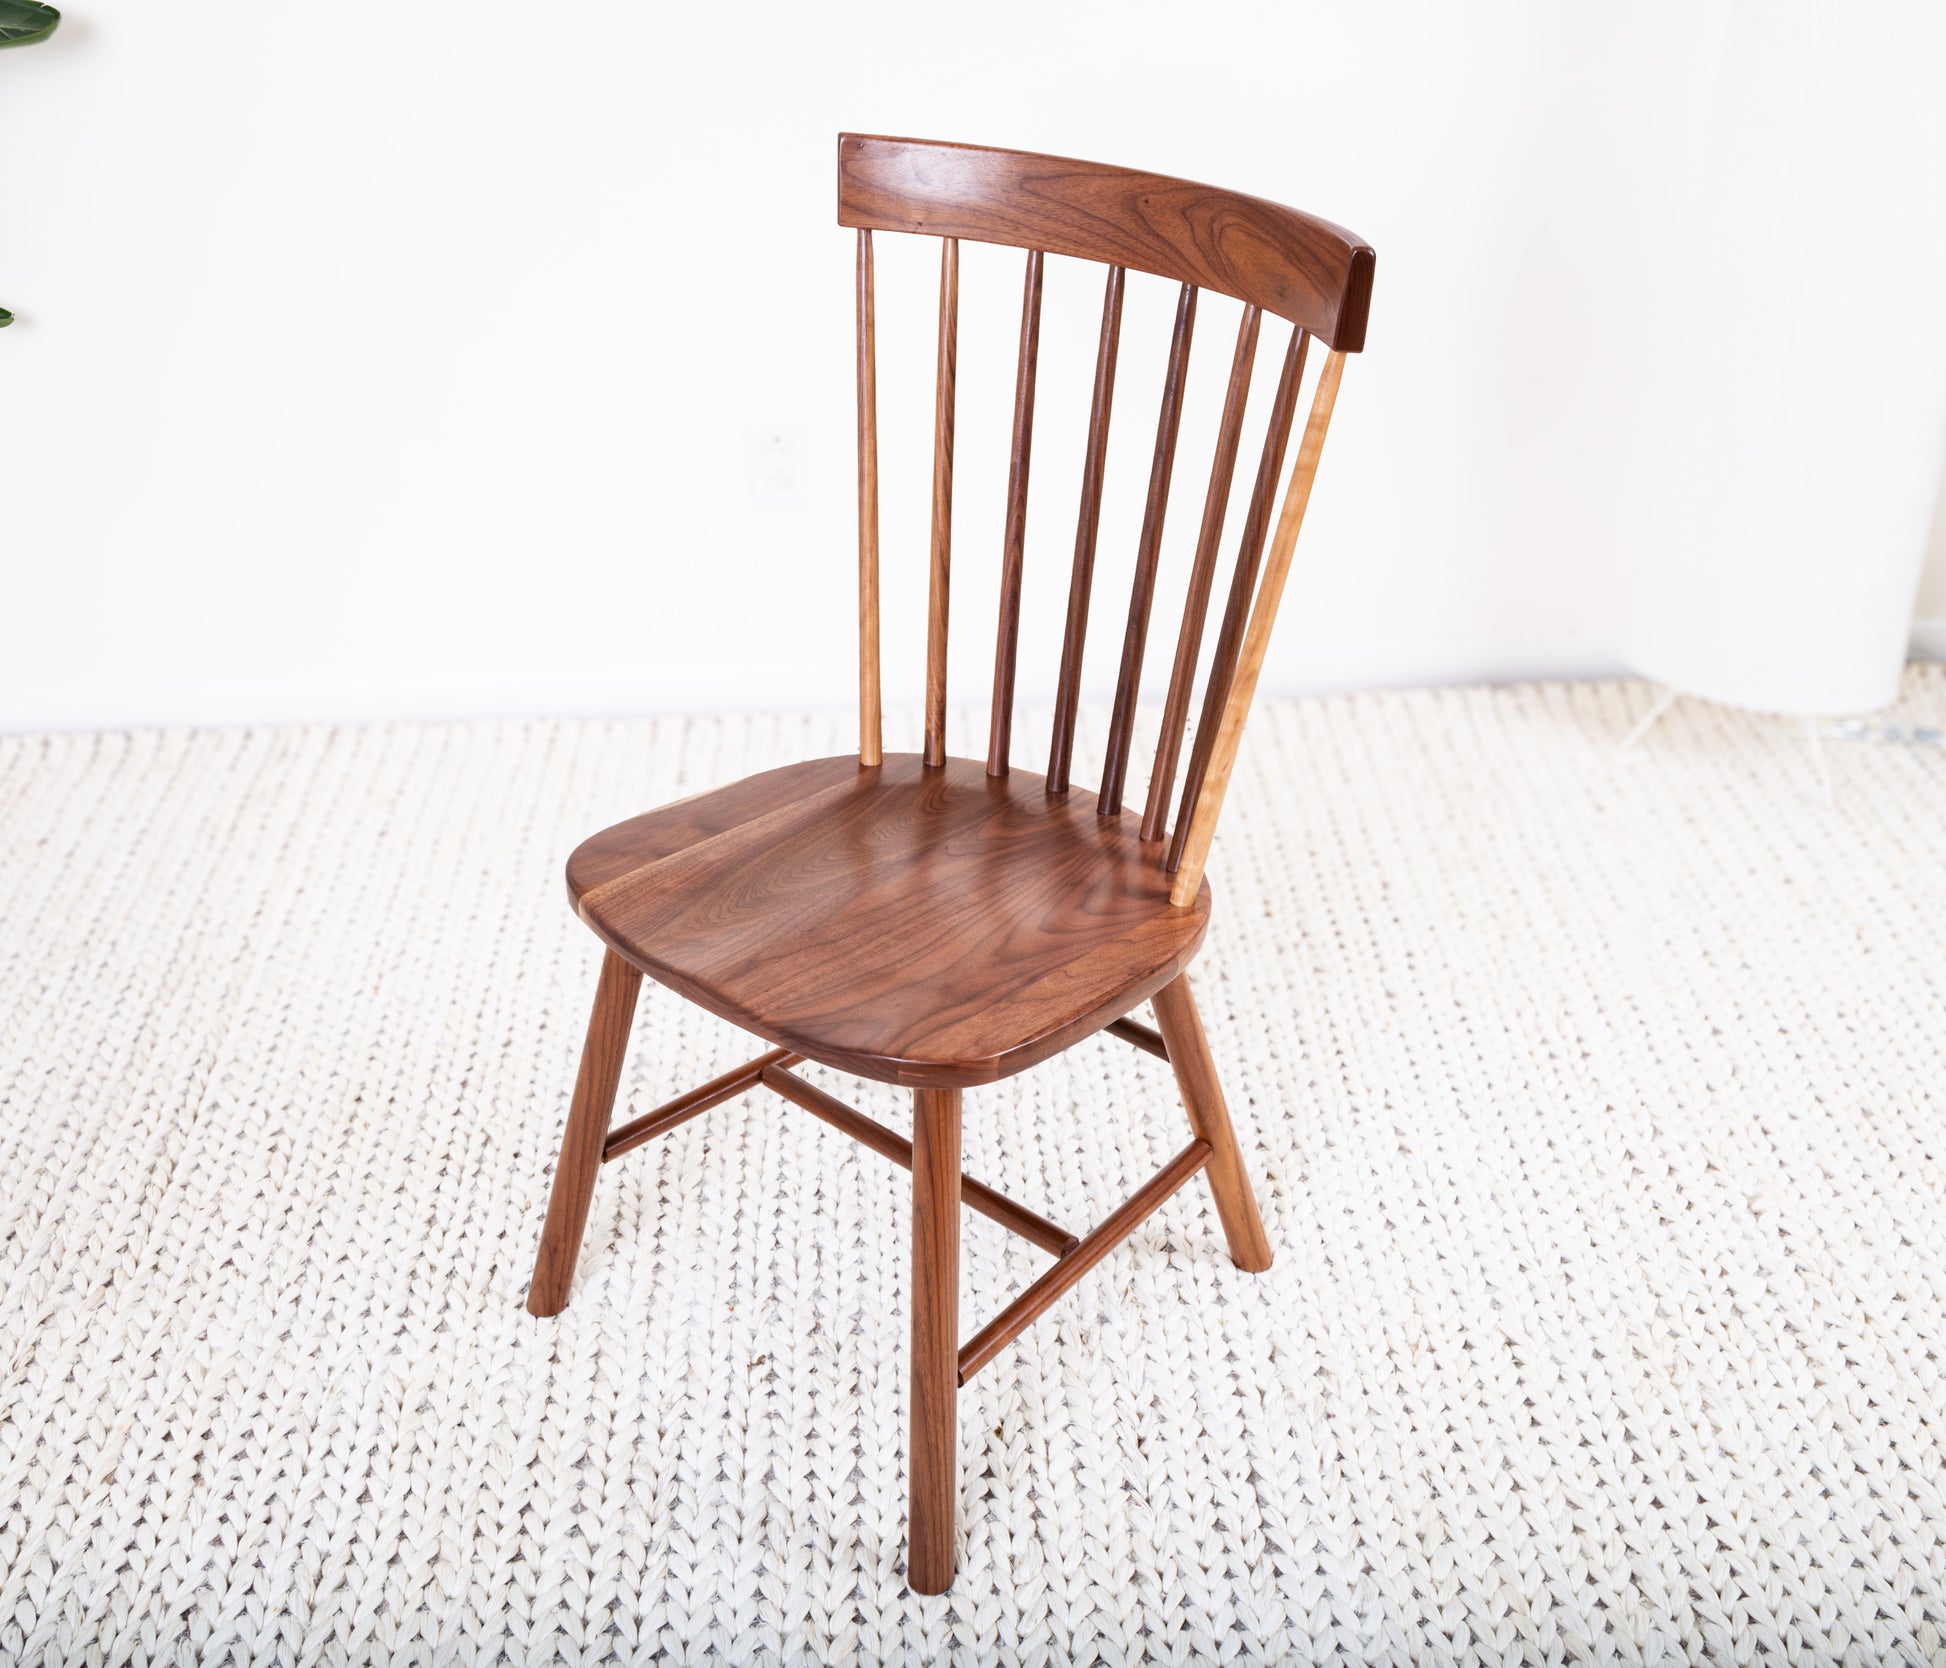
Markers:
point(1311, 669)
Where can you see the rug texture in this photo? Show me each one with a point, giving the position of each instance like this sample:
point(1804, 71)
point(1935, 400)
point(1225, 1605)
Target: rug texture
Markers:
point(1596, 1103)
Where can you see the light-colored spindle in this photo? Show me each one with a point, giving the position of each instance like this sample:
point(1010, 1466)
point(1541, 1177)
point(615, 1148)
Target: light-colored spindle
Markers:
point(939, 594)
point(1256, 640)
point(1006, 647)
point(870, 728)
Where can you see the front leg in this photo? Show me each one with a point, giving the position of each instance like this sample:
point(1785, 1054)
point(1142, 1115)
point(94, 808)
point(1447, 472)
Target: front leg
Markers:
point(933, 1453)
point(594, 1100)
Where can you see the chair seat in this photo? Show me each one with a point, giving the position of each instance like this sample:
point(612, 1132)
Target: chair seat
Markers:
point(932, 926)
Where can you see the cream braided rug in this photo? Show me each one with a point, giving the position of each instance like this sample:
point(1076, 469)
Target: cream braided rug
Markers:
point(1595, 1103)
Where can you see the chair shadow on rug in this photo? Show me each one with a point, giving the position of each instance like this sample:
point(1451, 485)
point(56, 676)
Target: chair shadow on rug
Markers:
point(943, 923)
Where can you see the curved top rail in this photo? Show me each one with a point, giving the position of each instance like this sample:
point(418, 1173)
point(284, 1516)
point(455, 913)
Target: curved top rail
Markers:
point(1304, 269)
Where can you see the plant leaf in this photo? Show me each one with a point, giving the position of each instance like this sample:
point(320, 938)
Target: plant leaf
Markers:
point(22, 22)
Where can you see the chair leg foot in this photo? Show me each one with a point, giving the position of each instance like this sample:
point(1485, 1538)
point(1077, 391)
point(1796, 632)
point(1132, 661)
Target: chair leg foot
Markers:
point(1236, 1205)
point(933, 1453)
point(594, 1099)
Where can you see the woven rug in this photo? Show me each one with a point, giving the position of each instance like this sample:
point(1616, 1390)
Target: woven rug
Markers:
point(1596, 1103)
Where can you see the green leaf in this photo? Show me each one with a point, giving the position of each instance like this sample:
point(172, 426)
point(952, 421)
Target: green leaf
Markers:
point(22, 22)
point(6, 318)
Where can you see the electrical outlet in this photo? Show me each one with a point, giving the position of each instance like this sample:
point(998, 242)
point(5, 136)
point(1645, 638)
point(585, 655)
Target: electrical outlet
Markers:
point(777, 454)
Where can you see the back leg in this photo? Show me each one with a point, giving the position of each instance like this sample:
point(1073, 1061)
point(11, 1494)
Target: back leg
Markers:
point(1209, 1117)
point(594, 1099)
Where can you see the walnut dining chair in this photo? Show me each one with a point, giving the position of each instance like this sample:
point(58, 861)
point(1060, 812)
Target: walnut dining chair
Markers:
point(943, 923)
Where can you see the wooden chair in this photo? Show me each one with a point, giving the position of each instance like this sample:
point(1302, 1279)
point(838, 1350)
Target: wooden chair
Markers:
point(943, 923)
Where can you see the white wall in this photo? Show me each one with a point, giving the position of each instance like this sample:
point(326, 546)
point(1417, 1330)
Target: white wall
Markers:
point(1931, 633)
point(413, 367)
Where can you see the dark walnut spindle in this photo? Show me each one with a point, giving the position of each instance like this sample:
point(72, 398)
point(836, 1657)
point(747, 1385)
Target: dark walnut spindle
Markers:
point(1121, 722)
point(1202, 575)
point(1243, 583)
point(1006, 651)
point(1067, 697)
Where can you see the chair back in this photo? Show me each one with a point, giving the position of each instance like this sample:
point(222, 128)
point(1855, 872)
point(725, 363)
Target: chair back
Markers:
point(1306, 271)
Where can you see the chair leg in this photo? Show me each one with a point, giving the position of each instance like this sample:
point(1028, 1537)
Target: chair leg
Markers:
point(1209, 1117)
point(594, 1099)
point(933, 1454)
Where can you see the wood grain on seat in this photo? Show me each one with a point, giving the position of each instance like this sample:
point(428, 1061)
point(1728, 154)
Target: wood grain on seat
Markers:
point(931, 926)
point(670, 828)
